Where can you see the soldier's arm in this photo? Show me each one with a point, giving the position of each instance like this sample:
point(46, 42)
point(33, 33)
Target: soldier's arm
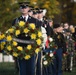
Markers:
point(15, 21)
point(64, 44)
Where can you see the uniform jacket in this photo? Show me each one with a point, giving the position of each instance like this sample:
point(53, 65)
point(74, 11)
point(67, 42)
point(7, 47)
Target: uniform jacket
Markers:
point(60, 41)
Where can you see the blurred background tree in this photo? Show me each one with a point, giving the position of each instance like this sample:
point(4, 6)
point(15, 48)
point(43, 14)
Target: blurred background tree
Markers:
point(10, 10)
point(7, 13)
point(59, 10)
point(68, 11)
point(50, 5)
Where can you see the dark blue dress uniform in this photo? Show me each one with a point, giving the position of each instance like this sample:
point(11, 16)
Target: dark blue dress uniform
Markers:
point(43, 70)
point(26, 67)
point(50, 33)
point(60, 41)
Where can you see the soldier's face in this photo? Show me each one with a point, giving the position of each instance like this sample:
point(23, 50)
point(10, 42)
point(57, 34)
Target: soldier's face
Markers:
point(40, 15)
point(35, 16)
point(61, 29)
point(51, 23)
point(24, 10)
point(66, 26)
point(30, 13)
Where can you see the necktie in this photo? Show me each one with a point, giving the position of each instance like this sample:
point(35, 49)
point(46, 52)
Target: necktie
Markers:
point(24, 19)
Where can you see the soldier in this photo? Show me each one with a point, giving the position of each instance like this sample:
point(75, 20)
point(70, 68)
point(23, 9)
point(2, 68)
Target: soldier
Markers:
point(66, 26)
point(24, 9)
point(45, 32)
point(26, 67)
point(70, 50)
point(50, 28)
point(60, 41)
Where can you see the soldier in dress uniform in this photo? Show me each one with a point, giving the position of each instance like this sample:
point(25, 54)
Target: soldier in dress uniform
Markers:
point(44, 34)
point(50, 34)
point(26, 67)
point(60, 41)
point(70, 50)
point(39, 55)
point(39, 16)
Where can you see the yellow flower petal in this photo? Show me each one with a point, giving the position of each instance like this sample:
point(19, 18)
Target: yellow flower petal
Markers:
point(2, 36)
point(37, 50)
point(38, 42)
point(11, 30)
point(9, 38)
point(15, 43)
point(20, 48)
point(33, 36)
point(3, 43)
point(29, 47)
point(39, 34)
point(15, 54)
point(26, 30)
point(9, 48)
point(21, 23)
point(17, 32)
point(27, 57)
point(32, 25)
point(2, 47)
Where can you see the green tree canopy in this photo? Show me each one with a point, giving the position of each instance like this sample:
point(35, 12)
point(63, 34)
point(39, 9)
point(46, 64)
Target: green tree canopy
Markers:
point(9, 9)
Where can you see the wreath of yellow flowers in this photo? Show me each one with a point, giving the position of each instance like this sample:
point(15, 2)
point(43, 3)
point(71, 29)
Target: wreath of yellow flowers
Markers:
point(31, 49)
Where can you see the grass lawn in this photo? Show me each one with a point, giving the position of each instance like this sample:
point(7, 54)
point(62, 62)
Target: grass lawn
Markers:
point(9, 69)
point(71, 73)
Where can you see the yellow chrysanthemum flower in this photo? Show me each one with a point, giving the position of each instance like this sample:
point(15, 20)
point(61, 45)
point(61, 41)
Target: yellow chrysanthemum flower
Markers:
point(39, 34)
point(38, 42)
point(3, 43)
point(21, 23)
point(26, 30)
point(20, 48)
point(33, 36)
point(9, 38)
point(32, 25)
point(29, 47)
point(11, 30)
point(2, 36)
point(37, 50)
point(15, 54)
point(9, 48)
point(2, 47)
point(17, 32)
point(15, 43)
point(27, 57)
